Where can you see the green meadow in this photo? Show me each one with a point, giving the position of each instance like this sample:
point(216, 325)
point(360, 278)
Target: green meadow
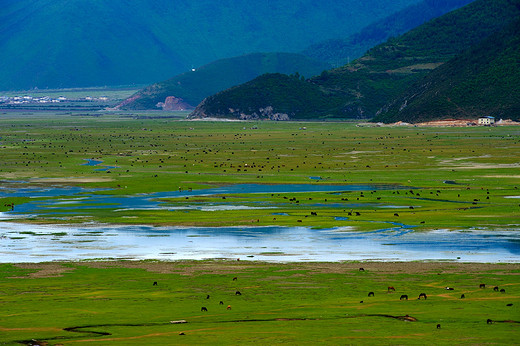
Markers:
point(116, 303)
point(453, 178)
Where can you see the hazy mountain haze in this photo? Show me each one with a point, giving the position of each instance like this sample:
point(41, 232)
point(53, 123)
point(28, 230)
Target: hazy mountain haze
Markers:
point(66, 43)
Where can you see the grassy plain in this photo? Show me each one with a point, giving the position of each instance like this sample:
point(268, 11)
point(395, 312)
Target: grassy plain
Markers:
point(116, 303)
point(460, 176)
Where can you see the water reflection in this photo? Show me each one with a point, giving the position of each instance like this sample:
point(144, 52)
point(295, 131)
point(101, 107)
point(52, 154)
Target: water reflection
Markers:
point(35, 243)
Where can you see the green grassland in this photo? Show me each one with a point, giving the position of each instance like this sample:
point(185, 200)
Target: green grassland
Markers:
point(116, 303)
point(164, 154)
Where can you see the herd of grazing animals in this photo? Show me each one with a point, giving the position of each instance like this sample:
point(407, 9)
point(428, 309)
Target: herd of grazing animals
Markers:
point(204, 308)
point(391, 289)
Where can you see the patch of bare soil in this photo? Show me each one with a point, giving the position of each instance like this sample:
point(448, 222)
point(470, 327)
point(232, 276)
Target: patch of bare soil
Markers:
point(406, 267)
point(181, 267)
point(43, 270)
point(240, 267)
point(234, 267)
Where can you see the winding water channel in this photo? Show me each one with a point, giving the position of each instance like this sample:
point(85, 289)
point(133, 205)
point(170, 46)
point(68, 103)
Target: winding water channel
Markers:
point(393, 242)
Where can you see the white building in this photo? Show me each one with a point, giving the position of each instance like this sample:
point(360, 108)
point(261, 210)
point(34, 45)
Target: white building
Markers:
point(486, 120)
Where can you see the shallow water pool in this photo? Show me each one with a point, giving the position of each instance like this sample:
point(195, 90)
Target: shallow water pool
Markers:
point(37, 243)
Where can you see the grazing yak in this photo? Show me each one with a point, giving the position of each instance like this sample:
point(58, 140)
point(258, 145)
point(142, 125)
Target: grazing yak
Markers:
point(391, 288)
point(361, 269)
point(370, 294)
point(203, 308)
point(489, 321)
point(482, 286)
point(502, 290)
point(462, 296)
point(423, 295)
point(237, 293)
point(495, 288)
point(438, 326)
point(404, 296)
point(221, 303)
point(154, 283)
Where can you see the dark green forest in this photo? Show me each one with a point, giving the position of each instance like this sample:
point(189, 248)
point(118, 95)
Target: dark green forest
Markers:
point(290, 94)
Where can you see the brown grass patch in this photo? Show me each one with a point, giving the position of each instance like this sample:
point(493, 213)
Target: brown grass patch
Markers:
point(240, 267)
point(43, 270)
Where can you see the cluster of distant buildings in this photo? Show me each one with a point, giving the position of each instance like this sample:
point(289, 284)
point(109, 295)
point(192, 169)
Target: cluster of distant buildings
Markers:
point(20, 100)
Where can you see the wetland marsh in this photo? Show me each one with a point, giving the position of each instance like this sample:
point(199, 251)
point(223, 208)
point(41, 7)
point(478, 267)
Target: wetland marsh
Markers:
point(432, 178)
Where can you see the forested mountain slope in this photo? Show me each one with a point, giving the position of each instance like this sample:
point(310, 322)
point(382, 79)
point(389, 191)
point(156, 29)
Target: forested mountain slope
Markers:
point(386, 70)
point(483, 81)
point(253, 100)
point(339, 52)
point(360, 89)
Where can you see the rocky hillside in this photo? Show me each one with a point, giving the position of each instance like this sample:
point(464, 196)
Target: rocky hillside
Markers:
point(190, 88)
point(483, 81)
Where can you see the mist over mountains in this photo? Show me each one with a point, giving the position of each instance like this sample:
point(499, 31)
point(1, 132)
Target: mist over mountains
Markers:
point(70, 43)
point(341, 51)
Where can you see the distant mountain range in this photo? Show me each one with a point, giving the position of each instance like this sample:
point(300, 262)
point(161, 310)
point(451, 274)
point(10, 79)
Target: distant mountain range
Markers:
point(77, 43)
point(190, 88)
point(193, 86)
point(362, 88)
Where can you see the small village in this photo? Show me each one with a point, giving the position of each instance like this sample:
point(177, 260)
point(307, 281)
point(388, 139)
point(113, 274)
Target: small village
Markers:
point(25, 100)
